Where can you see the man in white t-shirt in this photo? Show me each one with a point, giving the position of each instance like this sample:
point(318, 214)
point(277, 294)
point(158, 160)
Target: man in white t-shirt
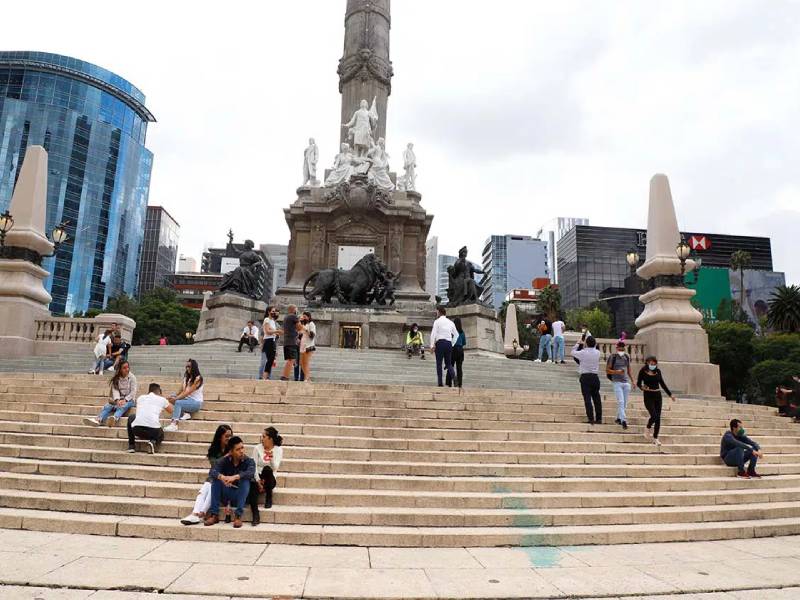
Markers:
point(558, 341)
point(249, 336)
point(145, 424)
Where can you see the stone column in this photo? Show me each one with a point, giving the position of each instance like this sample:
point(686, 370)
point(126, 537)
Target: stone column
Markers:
point(365, 71)
point(670, 325)
point(23, 298)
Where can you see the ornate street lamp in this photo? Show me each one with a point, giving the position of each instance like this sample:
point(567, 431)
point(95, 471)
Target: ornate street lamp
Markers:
point(6, 223)
point(59, 236)
point(632, 257)
point(683, 251)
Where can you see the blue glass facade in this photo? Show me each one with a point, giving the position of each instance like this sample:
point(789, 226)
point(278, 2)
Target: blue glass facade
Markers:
point(93, 125)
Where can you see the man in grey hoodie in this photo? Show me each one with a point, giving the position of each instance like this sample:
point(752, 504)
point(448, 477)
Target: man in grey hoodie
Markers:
point(736, 449)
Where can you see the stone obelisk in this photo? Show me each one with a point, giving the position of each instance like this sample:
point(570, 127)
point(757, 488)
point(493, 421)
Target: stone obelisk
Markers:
point(669, 324)
point(365, 71)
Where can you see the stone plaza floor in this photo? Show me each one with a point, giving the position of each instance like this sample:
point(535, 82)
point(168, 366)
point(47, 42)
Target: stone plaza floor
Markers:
point(57, 566)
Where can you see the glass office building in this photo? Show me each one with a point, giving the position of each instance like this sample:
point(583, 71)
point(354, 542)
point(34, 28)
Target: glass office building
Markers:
point(159, 250)
point(509, 262)
point(93, 125)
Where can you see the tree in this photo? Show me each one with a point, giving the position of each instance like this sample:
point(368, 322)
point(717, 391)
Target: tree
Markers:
point(741, 260)
point(784, 309)
point(769, 374)
point(549, 302)
point(731, 347)
point(598, 321)
point(157, 313)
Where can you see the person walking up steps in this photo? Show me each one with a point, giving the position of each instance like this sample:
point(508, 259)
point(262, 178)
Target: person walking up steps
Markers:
point(618, 370)
point(443, 336)
point(458, 354)
point(291, 351)
point(190, 399)
point(587, 356)
point(650, 381)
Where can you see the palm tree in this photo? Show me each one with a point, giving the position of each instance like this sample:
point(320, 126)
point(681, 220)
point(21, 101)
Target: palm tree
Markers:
point(784, 309)
point(741, 260)
point(549, 302)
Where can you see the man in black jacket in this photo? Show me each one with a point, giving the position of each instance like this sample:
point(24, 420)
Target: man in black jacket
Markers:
point(736, 449)
point(231, 477)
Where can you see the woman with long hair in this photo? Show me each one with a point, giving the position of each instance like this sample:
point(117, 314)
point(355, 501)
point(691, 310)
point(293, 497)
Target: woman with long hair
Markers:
point(269, 346)
point(217, 449)
point(121, 397)
point(650, 381)
point(458, 353)
point(267, 455)
point(307, 344)
point(190, 399)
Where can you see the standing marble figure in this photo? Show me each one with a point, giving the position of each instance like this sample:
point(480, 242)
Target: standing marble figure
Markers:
point(310, 158)
point(379, 171)
point(360, 127)
point(410, 166)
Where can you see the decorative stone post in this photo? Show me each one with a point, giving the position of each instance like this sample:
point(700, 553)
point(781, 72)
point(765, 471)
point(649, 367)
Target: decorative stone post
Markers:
point(670, 325)
point(23, 298)
point(511, 344)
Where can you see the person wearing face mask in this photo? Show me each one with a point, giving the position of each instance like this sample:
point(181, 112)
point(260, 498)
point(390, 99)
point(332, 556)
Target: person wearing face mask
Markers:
point(650, 381)
point(414, 342)
point(269, 347)
point(307, 344)
point(618, 370)
point(736, 449)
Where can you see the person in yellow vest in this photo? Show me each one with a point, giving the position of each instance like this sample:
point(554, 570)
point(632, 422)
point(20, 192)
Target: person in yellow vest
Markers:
point(414, 342)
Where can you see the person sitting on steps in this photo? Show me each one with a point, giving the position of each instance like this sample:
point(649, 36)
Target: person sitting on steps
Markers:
point(145, 424)
point(119, 350)
point(415, 344)
point(231, 478)
point(190, 399)
point(217, 449)
point(736, 449)
point(267, 455)
point(122, 397)
point(249, 336)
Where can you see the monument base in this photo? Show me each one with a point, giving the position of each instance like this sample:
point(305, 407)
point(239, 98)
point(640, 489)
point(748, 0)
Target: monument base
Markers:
point(23, 300)
point(480, 326)
point(695, 379)
point(226, 314)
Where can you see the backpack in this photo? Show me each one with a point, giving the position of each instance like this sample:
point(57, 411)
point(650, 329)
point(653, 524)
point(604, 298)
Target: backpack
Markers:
point(613, 365)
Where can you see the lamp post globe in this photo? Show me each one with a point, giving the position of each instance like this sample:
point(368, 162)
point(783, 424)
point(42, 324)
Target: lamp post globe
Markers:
point(60, 234)
point(632, 257)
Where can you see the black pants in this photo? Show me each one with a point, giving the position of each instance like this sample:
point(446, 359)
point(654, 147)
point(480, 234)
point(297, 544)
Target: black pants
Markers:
point(268, 479)
point(249, 340)
point(590, 388)
point(652, 402)
point(458, 363)
point(270, 348)
point(155, 434)
point(444, 354)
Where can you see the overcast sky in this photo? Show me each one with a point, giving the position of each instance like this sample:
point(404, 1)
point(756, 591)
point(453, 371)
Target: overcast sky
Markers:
point(520, 110)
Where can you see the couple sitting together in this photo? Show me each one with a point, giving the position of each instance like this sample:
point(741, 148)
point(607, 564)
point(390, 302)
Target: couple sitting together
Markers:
point(237, 479)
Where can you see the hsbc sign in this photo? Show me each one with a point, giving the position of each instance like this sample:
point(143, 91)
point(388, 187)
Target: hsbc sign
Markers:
point(700, 242)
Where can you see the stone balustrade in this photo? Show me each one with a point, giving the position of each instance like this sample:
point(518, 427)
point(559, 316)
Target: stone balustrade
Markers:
point(607, 346)
point(53, 333)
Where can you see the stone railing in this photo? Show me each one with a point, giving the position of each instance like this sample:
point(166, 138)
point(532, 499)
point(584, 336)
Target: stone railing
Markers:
point(52, 333)
point(608, 346)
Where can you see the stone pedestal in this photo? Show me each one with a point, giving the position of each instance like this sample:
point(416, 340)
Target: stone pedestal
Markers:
point(23, 300)
point(373, 327)
point(480, 326)
point(226, 314)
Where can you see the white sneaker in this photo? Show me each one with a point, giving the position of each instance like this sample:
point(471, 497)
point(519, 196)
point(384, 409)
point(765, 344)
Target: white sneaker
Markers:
point(657, 441)
point(185, 417)
point(537, 360)
point(171, 427)
point(192, 519)
point(150, 447)
point(93, 421)
point(92, 372)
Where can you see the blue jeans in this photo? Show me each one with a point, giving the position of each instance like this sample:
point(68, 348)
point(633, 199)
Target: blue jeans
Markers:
point(546, 342)
point(237, 496)
point(738, 456)
point(558, 347)
point(444, 354)
point(189, 405)
point(622, 390)
point(103, 363)
point(118, 411)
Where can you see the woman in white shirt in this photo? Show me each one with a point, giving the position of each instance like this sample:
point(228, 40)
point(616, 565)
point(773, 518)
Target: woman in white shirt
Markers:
point(307, 344)
point(267, 456)
point(190, 399)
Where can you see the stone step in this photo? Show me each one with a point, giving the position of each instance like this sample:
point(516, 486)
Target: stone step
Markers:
point(369, 535)
point(410, 499)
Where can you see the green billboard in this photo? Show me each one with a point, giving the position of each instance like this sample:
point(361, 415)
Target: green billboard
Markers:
point(713, 286)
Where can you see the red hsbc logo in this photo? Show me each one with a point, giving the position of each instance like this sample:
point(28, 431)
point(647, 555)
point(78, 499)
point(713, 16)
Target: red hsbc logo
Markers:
point(699, 242)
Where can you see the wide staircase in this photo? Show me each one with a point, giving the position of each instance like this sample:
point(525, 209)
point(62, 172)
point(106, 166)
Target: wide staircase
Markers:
point(330, 365)
point(393, 465)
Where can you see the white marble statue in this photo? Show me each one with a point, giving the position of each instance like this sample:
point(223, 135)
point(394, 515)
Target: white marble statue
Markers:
point(310, 158)
point(360, 127)
point(410, 166)
point(342, 167)
point(379, 171)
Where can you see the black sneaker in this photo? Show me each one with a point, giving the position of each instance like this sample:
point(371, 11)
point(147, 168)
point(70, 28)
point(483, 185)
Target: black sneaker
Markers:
point(754, 475)
point(590, 421)
point(617, 421)
point(624, 424)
